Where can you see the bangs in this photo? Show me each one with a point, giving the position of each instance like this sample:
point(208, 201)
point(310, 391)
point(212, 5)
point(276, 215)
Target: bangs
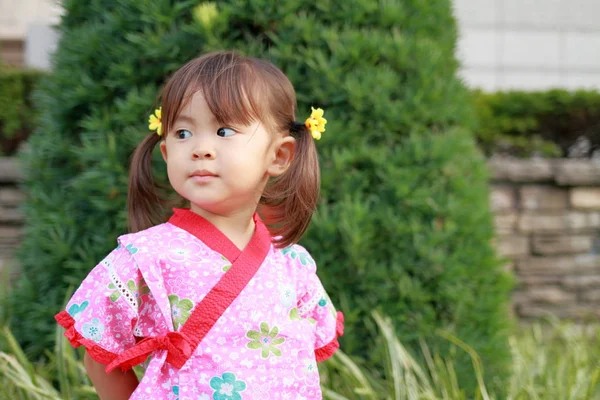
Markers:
point(233, 88)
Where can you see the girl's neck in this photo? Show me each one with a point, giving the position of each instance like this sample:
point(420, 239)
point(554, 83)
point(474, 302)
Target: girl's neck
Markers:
point(238, 227)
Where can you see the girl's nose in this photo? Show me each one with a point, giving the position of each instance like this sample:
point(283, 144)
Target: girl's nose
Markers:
point(204, 150)
point(204, 153)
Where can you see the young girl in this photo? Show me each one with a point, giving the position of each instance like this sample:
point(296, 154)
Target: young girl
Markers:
point(220, 304)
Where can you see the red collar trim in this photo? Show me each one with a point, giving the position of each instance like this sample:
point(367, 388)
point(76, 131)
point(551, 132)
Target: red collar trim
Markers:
point(210, 235)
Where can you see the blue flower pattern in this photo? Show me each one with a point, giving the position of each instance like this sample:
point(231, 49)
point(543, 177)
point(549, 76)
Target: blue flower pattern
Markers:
point(293, 254)
point(227, 387)
point(93, 330)
point(76, 309)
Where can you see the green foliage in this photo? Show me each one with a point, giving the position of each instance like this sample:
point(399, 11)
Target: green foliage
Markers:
point(403, 224)
point(543, 123)
point(550, 361)
point(23, 379)
point(18, 116)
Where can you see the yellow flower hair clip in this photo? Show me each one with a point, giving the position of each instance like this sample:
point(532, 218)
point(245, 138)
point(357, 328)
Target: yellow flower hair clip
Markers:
point(316, 123)
point(155, 121)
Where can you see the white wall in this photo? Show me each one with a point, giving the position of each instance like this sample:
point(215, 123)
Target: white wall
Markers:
point(16, 16)
point(529, 44)
point(503, 44)
point(31, 21)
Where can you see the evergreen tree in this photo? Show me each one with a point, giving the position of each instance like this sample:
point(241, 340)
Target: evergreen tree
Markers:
point(403, 224)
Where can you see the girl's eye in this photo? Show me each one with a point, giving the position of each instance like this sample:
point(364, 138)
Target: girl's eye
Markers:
point(225, 132)
point(183, 134)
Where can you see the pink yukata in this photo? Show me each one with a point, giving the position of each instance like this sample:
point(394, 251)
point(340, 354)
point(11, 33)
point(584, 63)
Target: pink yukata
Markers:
point(266, 343)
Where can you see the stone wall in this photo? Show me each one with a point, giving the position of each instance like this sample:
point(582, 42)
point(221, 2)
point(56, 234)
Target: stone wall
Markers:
point(547, 215)
point(11, 219)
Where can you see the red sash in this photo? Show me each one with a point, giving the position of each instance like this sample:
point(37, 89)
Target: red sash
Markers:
point(181, 345)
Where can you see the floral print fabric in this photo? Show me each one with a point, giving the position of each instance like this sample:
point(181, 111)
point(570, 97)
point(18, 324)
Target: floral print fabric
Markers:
point(262, 347)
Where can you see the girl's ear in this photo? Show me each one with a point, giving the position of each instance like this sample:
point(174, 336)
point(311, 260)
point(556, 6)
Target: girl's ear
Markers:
point(284, 152)
point(163, 149)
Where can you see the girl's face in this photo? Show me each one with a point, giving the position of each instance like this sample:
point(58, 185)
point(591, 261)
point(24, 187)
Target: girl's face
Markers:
point(221, 169)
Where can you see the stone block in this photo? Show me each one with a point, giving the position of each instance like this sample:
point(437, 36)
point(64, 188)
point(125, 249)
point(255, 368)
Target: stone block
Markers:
point(586, 198)
point(581, 282)
point(10, 234)
point(540, 280)
point(559, 265)
point(571, 221)
point(520, 297)
point(509, 267)
point(502, 198)
point(513, 170)
point(546, 244)
point(573, 311)
point(10, 172)
point(12, 216)
point(11, 197)
point(551, 295)
point(592, 296)
point(513, 246)
point(505, 223)
point(536, 197)
point(582, 221)
point(534, 222)
point(577, 172)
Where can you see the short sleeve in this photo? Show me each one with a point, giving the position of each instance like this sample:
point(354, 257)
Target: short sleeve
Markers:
point(102, 312)
point(316, 306)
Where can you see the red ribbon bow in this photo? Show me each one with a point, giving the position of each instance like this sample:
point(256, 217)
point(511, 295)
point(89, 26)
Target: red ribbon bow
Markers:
point(179, 350)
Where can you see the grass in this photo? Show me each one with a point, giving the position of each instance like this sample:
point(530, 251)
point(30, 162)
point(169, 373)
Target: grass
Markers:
point(551, 360)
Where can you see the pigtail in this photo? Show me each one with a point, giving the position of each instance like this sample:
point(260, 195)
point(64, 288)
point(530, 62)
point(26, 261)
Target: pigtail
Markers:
point(289, 201)
point(145, 206)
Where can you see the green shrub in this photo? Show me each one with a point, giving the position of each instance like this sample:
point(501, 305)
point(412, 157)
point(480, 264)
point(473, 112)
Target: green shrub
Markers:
point(403, 224)
point(18, 116)
point(543, 123)
point(406, 230)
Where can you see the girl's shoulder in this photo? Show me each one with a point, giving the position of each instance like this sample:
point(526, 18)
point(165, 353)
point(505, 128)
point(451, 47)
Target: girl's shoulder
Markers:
point(299, 257)
point(148, 241)
point(153, 231)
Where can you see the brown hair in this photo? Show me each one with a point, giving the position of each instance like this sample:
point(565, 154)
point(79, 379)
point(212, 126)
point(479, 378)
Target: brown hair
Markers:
point(238, 90)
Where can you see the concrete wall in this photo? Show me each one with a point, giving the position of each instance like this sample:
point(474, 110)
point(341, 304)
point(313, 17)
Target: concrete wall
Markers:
point(529, 44)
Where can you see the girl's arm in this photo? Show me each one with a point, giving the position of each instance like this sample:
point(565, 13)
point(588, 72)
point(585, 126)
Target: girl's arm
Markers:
point(116, 385)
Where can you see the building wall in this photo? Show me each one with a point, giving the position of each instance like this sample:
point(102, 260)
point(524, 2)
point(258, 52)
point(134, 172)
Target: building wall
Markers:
point(26, 38)
point(16, 16)
point(547, 216)
point(529, 44)
point(503, 44)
